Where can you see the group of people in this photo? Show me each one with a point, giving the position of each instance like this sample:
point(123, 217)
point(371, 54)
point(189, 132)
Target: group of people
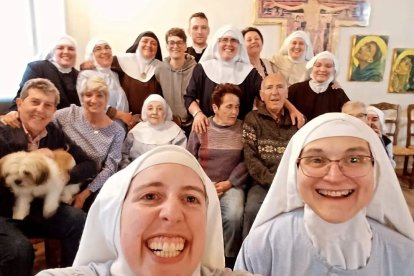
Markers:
point(190, 162)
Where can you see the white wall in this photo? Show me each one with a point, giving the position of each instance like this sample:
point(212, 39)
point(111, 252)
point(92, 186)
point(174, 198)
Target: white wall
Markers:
point(121, 21)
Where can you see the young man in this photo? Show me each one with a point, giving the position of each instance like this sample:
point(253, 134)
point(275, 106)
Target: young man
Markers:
point(36, 106)
point(198, 30)
point(174, 76)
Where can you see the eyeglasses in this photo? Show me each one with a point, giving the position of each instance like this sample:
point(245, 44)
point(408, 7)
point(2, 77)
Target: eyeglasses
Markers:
point(226, 40)
point(361, 115)
point(171, 43)
point(350, 166)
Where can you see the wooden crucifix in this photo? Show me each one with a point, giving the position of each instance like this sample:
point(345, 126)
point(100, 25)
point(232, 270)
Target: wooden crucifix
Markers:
point(320, 18)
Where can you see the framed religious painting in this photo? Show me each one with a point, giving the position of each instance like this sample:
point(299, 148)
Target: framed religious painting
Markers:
point(321, 19)
point(402, 71)
point(368, 54)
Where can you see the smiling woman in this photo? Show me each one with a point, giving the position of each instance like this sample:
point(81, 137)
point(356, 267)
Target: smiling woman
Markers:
point(335, 204)
point(148, 221)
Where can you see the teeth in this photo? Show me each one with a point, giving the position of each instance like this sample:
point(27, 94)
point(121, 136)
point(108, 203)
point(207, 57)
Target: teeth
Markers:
point(335, 193)
point(166, 247)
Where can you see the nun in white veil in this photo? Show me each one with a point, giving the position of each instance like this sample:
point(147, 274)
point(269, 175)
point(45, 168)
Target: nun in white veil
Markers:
point(153, 131)
point(291, 236)
point(105, 247)
point(291, 60)
point(225, 60)
point(99, 52)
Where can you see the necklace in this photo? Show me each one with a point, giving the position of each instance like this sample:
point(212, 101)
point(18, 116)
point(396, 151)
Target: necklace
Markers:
point(146, 69)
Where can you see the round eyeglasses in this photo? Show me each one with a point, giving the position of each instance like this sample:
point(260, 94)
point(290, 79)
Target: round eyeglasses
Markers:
point(350, 166)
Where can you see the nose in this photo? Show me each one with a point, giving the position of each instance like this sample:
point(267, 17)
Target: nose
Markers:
point(334, 173)
point(18, 181)
point(172, 211)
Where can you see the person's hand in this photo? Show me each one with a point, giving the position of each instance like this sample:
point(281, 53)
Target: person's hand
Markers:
point(87, 65)
point(222, 187)
point(11, 119)
point(336, 85)
point(126, 117)
point(200, 123)
point(79, 199)
point(297, 118)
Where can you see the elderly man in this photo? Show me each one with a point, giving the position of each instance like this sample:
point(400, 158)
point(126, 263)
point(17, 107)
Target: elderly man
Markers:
point(199, 31)
point(266, 133)
point(219, 151)
point(174, 75)
point(36, 106)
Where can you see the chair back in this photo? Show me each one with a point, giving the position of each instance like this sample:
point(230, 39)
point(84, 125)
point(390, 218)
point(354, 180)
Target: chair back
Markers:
point(392, 119)
point(410, 126)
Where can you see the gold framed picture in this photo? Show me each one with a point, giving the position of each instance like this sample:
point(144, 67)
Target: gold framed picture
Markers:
point(402, 71)
point(368, 54)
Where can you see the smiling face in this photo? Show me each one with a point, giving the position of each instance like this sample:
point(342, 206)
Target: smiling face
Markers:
point(155, 113)
point(94, 101)
point(176, 47)
point(375, 123)
point(254, 43)
point(323, 69)
point(274, 93)
point(36, 110)
point(228, 47)
point(103, 55)
point(336, 198)
point(65, 55)
point(148, 46)
point(163, 221)
point(297, 48)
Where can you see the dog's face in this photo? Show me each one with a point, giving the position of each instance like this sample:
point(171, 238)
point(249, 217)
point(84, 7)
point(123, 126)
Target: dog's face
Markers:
point(23, 170)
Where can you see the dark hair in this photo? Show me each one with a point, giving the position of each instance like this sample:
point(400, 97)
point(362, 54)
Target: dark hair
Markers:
point(222, 89)
point(252, 29)
point(198, 14)
point(176, 32)
point(134, 46)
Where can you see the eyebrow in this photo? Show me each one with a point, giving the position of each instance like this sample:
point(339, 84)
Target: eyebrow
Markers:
point(160, 184)
point(349, 150)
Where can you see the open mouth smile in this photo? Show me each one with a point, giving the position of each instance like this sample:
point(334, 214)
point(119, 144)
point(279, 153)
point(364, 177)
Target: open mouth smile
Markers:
point(166, 247)
point(335, 194)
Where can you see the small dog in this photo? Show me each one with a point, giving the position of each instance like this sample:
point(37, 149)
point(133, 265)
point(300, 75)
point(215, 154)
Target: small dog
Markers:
point(33, 174)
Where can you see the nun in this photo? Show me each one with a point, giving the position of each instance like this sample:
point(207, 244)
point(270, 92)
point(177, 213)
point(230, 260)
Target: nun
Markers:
point(159, 216)
point(316, 95)
point(335, 207)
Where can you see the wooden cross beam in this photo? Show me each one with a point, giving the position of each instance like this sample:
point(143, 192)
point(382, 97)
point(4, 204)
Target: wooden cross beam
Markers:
point(320, 18)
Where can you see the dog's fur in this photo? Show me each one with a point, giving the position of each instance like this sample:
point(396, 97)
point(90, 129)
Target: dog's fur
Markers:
point(33, 174)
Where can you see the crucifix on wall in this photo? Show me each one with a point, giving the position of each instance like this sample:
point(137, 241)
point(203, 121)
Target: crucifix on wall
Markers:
point(320, 18)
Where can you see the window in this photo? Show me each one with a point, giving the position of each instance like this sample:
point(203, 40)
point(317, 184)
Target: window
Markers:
point(28, 26)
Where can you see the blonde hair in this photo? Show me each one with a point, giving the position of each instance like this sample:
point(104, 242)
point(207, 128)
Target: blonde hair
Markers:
point(95, 84)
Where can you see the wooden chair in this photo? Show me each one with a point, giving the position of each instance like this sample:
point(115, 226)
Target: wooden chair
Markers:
point(408, 150)
point(392, 119)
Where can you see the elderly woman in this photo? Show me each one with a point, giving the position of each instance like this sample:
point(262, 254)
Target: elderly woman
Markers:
point(91, 129)
point(99, 53)
point(316, 96)
point(225, 60)
point(253, 39)
point(159, 216)
point(291, 60)
point(136, 70)
point(335, 204)
point(156, 128)
point(58, 67)
point(376, 120)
